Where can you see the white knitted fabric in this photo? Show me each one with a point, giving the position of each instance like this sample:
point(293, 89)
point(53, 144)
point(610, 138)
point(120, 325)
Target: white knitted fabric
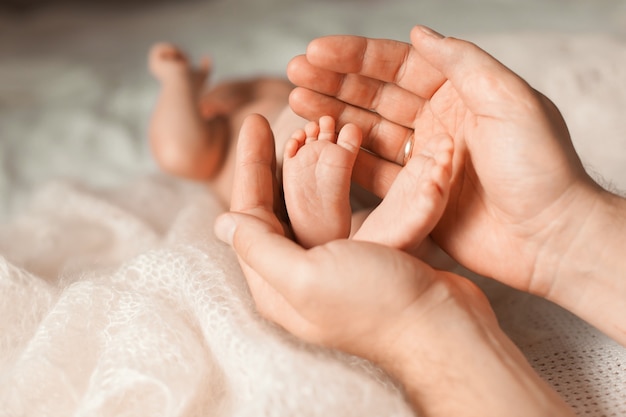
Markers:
point(119, 301)
point(124, 304)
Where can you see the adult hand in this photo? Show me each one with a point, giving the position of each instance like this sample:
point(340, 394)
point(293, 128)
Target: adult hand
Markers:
point(519, 190)
point(346, 294)
point(378, 303)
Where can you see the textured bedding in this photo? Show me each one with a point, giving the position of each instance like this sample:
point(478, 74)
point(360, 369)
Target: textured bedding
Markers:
point(115, 297)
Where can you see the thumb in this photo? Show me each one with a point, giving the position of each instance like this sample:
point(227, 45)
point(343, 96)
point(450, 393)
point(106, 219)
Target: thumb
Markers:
point(225, 226)
point(259, 245)
point(475, 74)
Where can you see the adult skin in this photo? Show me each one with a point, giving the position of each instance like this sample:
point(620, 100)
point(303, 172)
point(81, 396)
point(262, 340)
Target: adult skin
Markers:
point(433, 331)
point(522, 209)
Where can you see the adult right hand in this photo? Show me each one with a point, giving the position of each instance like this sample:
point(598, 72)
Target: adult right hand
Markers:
point(522, 208)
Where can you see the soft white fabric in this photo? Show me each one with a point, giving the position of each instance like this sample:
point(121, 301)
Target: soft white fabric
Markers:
point(116, 299)
point(122, 303)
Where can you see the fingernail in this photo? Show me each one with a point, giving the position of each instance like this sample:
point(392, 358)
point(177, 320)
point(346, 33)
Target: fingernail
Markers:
point(224, 228)
point(428, 31)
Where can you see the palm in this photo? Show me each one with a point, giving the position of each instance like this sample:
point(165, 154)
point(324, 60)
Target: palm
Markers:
point(348, 313)
point(509, 188)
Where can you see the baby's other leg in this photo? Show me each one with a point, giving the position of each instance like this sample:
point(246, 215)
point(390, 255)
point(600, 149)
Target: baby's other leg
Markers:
point(416, 200)
point(317, 170)
point(183, 141)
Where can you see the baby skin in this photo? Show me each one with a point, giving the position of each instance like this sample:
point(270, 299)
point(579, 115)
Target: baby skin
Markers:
point(317, 172)
point(193, 128)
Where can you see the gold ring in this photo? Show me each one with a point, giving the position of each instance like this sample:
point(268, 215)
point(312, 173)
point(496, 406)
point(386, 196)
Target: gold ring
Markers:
point(408, 150)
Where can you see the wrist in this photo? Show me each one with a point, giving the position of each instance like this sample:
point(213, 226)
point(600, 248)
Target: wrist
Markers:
point(455, 360)
point(589, 268)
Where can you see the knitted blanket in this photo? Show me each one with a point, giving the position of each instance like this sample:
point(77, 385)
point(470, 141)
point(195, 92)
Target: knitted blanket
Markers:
point(115, 297)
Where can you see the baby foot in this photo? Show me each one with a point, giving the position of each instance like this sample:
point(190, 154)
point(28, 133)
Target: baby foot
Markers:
point(167, 63)
point(317, 170)
point(416, 200)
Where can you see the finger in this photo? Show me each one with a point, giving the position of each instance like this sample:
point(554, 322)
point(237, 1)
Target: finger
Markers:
point(474, 73)
point(416, 199)
point(388, 99)
point(380, 85)
point(374, 173)
point(254, 193)
point(380, 59)
point(301, 72)
point(380, 135)
point(259, 245)
point(240, 231)
point(255, 188)
point(271, 281)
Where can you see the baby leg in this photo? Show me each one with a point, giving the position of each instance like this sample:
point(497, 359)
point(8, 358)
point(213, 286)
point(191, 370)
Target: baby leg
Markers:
point(317, 170)
point(183, 141)
point(168, 63)
point(416, 200)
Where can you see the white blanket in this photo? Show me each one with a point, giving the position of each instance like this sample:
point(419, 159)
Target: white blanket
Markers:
point(116, 299)
point(122, 303)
